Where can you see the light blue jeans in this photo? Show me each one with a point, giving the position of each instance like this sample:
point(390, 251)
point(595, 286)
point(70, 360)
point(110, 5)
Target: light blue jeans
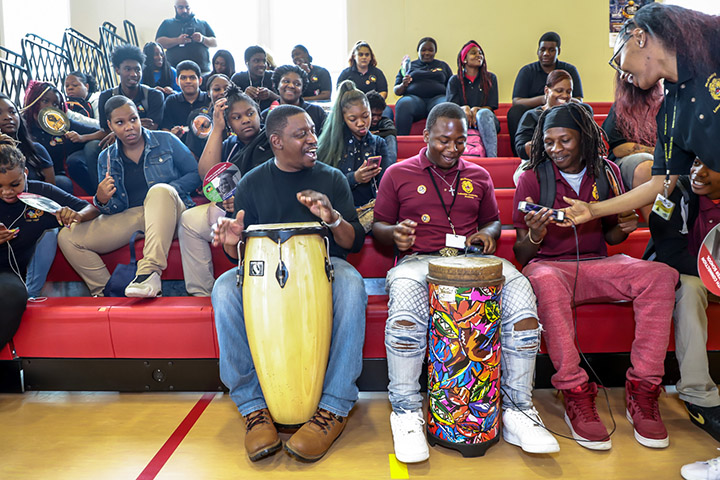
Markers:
point(42, 259)
point(237, 370)
point(406, 344)
point(485, 120)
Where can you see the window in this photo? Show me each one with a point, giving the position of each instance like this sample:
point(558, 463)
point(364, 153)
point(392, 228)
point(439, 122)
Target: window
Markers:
point(47, 18)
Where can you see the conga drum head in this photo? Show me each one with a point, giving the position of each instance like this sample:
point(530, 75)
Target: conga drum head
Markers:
point(465, 271)
point(283, 231)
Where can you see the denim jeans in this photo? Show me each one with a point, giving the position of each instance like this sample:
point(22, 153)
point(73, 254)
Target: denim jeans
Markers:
point(486, 120)
point(411, 108)
point(237, 371)
point(408, 292)
point(41, 261)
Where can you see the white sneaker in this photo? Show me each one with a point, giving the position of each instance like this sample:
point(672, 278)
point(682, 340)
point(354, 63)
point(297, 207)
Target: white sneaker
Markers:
point(409, 436)
point(145, 286)
point(526, 430)
point(709, 470)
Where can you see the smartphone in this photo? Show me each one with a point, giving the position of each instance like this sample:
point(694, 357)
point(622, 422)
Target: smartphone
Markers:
point(375, 161)
point(557, 215)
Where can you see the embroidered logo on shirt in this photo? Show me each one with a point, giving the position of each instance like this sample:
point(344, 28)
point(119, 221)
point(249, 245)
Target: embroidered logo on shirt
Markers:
point(467, 188)
point(371, 79)
point(438, 69)
point(595, 194)
point(314, 78)
point(421, 189)
point(33, 214)
point(425, 218)
point(713, 86)
point(467, 185)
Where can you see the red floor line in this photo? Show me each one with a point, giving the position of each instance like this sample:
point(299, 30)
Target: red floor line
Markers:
point(166, 451)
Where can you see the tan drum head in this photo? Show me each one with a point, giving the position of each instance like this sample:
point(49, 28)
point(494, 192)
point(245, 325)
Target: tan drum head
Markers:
point(283, 231)
point(282, 226)
point(465, 271)
point(53, 121)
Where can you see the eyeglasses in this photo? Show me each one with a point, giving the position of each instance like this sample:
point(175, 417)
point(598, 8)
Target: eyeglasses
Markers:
point(617, 52)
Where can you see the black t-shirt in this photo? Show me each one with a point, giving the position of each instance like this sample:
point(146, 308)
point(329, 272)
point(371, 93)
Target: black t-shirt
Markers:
point(614, 137)
point(373, 79)
point(268, 195)
point(149, 103)
point(176, 110)
point(59, 147)
point(195, 51)
point(474, 94)
point(318, 80)
point(243, 80)
point(34, 173)
point(134, 179)
point(428, 79)
point(31, 222)
point(531, 79)
point(316, 112)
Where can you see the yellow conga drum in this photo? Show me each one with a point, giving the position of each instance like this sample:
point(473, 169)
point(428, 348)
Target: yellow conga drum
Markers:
point(464, 353)
point(287, 301)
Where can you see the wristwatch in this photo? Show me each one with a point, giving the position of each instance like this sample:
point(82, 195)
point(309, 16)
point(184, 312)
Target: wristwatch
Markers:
point(336, 222)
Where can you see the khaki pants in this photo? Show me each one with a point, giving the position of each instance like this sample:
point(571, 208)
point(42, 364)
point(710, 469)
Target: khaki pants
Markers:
point(695, 385)
point(194, 235)
point(83, 244)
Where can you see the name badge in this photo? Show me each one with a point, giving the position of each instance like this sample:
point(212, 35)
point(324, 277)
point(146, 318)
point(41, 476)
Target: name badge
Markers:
point(455, 241)
point(663, 207)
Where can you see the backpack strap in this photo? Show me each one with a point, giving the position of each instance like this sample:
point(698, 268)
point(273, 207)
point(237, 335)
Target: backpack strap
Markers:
point(546, 178)
point(133, 259)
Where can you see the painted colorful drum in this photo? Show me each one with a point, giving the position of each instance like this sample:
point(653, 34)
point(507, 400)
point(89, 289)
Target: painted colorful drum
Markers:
point(464, 353)
point(287, 300)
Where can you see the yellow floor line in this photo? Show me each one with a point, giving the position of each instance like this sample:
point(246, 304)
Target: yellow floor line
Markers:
point(398, 470)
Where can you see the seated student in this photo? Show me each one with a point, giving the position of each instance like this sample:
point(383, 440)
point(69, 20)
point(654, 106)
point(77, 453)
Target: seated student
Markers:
point(528, 91)
point(347, 144)
point(21, 226)
point(127, 60)
point(677, 242)
point(568, 138)
point(319, 85)
point(382, 126)
point(247, 148)
point(293, 187)
point(147, 177)
point(422, 87)
point(632, 135)
point(412, 213)
point(63, 149)
point(82, 94)
point(289, 81)
point(217, 86)
point(476, 91)
point(158, 73)
point(257, 81)
point(223, 63)
point(363, 70)
point(178, 106)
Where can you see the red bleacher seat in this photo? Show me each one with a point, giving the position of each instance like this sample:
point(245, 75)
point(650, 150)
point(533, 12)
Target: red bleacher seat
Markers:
point(6, 353)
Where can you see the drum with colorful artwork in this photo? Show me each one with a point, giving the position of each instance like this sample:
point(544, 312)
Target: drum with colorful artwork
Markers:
point(464, 353)
point(287, 301)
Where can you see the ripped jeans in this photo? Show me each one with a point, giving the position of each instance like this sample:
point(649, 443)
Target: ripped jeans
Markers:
point(406, 333)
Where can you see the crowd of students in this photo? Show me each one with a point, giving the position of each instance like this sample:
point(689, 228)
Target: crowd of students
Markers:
point(134, 150)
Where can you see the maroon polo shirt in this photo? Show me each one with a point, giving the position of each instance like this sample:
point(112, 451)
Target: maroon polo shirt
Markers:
point(407, 192)
point(708, 217)
point(559, 243)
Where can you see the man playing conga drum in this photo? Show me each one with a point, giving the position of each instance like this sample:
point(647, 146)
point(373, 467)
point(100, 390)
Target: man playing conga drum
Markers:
point(431, 205)
point(292, 187)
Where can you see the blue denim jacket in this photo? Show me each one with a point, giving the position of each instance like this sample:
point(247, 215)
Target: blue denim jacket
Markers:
point(167, 160)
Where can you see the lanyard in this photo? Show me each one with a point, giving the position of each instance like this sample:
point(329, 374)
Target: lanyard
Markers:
point(454, 194)
point(668, 144)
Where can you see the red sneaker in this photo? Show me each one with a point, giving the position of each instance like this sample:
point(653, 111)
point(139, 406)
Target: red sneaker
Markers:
point(583, 419)
point(643, 413)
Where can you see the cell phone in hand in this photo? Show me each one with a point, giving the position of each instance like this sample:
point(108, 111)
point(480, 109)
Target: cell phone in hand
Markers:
point(557, 215)
point(374, 161)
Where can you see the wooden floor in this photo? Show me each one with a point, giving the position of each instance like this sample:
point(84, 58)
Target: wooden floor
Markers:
point(60, 435)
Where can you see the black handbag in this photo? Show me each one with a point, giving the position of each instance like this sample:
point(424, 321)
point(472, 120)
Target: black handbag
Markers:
point(123, 274)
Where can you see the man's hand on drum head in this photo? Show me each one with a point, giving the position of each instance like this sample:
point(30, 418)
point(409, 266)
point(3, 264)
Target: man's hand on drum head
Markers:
point(404, 234)
point(318, 204)
point(227, 231)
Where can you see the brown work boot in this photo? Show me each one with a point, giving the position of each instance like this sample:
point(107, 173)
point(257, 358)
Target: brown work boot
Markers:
point(314, 439)
point(261, 437)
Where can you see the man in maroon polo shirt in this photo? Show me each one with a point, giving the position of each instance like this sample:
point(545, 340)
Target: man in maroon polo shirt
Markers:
point(435, 204)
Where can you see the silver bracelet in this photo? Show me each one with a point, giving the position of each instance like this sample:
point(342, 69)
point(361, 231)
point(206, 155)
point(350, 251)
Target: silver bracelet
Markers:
point(336, 222)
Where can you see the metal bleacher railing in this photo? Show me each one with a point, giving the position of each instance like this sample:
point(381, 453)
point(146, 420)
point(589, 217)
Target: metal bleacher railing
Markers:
point(131, 33)
point(109, 39)
point(44, 60)
point(14, 76)
point(86, 56)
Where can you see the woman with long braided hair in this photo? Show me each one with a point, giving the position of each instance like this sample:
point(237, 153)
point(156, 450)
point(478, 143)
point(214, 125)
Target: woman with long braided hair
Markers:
point(572, 143)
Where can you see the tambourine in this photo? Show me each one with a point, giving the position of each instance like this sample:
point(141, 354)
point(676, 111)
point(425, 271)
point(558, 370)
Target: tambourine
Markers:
point(54, 121)
point(202, 126)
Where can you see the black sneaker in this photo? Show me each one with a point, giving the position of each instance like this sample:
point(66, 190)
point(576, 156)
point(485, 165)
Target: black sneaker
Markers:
point(707, 418)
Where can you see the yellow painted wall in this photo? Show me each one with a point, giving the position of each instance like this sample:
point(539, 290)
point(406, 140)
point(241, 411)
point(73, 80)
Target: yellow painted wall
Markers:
point(508, 31)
